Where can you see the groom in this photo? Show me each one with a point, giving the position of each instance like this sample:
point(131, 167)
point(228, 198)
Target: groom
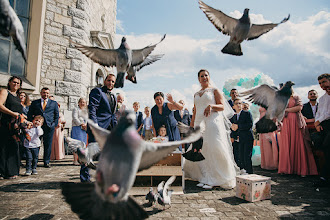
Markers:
point(242, 123)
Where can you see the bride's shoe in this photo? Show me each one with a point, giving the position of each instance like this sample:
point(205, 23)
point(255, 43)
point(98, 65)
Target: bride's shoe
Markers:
point(207, 186)
point(200, 185)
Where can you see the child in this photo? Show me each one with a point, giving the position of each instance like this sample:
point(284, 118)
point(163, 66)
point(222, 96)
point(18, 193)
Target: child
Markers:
point(147, 125)
point(139, 116)
point(162, 134)
point(32, 147)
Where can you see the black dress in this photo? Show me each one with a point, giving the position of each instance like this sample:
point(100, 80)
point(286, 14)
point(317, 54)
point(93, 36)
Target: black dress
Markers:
point(9, 148)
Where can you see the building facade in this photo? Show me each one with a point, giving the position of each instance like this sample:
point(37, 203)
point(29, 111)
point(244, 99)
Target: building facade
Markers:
point(53, 62)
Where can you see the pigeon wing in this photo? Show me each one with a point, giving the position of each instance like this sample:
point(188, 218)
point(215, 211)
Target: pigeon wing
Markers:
point(92, 149)
point(149, 60)
point(154, 152)
point(99, 133)
point(74, 144)
point(220, 20)
point(167, 185)
point(138, 56)
point(257, 30)
point(105, 57)
point(262, 95)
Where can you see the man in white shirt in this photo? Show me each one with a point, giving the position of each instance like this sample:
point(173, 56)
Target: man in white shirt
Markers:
point(322, 125)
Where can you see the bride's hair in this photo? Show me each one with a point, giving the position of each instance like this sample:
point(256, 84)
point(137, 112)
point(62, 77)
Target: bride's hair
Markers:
point(202, 70)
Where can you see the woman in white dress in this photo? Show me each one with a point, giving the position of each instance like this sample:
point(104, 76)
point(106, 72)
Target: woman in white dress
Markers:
point(211, 113)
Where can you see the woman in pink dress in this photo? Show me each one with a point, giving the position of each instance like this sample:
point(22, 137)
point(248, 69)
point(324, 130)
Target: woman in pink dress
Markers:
point(295, 155)
point(58, 139)
point(268, 147)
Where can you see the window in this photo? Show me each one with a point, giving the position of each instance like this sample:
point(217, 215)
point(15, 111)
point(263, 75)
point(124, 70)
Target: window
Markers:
point(11, 60)
point(99, 77)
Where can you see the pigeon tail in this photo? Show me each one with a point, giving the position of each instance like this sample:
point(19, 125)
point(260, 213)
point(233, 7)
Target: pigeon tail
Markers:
point(85, 202)
point(233, 49)
point(194, 154)
point(265, 125)
point(120, 80)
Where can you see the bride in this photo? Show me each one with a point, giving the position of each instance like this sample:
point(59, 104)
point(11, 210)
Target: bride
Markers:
point(211, 113)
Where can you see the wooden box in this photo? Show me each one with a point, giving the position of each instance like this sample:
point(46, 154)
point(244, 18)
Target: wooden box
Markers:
point(253, 187)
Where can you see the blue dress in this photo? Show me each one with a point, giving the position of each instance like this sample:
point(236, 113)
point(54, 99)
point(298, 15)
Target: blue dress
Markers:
point(167, 119)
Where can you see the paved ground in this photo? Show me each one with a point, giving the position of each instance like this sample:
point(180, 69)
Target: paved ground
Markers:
point(293, 197)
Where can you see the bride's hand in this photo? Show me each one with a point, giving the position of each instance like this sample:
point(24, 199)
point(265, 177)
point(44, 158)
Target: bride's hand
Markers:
point(207, 110)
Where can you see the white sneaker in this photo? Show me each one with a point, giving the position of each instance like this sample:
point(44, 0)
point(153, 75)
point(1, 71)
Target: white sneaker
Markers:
point(200, 184)
point(207, 187)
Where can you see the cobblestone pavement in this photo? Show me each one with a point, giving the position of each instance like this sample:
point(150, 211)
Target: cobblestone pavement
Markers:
point(39, 197)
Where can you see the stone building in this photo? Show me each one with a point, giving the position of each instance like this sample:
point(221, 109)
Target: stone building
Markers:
point(52, 61)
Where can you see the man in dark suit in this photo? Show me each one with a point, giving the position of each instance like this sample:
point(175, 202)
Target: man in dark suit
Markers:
point(49, 110)
point(233, 95)
point(234, 138)
point(184, 117)
point(139, 117)
point(102, 110)
point(310, 108)
point(243, 126)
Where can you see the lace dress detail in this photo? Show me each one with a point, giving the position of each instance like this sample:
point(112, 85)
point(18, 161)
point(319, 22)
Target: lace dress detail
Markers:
point(219, 167)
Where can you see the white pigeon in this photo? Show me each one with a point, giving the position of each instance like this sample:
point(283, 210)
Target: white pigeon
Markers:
point(123, 58)
point(164, 194)
point(124, 154)
point(238, 29)
point(10, 25)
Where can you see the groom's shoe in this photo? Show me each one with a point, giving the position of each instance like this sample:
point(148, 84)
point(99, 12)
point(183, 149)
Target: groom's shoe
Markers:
point(207, 187)
point(200, 184)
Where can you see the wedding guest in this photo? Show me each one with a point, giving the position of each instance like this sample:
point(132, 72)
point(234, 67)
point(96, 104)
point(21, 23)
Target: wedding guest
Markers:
point(295, 153)
point(121, 107)
point(49, 110)
point(184, 117)
point(139, 116)
point(268, 147)
point(322, 124)
point(309, 110)
point(58, 151)
point(234, 138)
point(243, 125)
point(10, 107)
point(162, 114)
point(79, 125)
point(32, 146)
point(25, 102)
point(147, 125)
point(233, 95)
point(246, 106)
point(162, 133)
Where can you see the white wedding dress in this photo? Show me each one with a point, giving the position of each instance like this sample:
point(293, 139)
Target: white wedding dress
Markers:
point(219, 167)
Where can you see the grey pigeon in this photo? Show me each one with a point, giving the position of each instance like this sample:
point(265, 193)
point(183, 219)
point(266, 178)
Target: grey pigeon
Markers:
point(238, 29)
point(123, 58)
point(274, 100)
point(10, 25)
point(123, 155)
point(164, 194)
point(131, 73)
point(85, 153)
point(151, 196)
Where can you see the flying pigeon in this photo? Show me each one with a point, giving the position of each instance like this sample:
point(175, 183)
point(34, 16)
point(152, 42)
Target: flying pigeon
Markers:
point(10, 25)
point(164, 194)
point(131, 73)
point(274, 100)
point(85, 153)
point(123, 155)
point(238, 29)
point(151, 196)
point(124, 58)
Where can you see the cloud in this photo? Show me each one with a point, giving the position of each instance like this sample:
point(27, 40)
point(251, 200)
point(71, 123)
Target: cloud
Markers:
point(120, 26)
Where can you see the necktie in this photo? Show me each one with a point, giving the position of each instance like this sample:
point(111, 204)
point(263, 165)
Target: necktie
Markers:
point(44, 105)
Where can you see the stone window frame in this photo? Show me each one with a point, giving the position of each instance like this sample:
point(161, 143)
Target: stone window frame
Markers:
point(31, 81)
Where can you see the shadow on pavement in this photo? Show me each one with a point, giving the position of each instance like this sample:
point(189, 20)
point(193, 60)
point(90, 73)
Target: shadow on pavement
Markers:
point(30, 187)
point(42, 216)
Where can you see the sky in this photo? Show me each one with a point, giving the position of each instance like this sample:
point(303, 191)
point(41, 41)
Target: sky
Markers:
point(298, 50)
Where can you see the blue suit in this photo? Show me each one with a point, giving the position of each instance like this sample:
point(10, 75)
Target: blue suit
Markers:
point(139, 120)
point(234, 135)
point(51, 115)
point(245, 140)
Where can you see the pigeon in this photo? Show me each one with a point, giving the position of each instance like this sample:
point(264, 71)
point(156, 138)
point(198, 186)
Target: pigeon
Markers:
point(151, 197)
point(273, 100)
point(86, 154)
point(164, 194)
point(194, 154)
point(238, 29)
point(131, 73)
point(10, 25)
point(124, 58)
point(124, 154)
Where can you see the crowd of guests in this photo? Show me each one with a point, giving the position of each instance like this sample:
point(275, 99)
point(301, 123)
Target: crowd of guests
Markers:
point(299, 146)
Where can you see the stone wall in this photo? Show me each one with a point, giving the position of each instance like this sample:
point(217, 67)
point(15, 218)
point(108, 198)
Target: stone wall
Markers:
point(65, 71)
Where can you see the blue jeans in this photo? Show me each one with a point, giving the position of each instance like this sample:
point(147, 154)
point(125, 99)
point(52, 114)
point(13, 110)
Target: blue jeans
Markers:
point(32, 158)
